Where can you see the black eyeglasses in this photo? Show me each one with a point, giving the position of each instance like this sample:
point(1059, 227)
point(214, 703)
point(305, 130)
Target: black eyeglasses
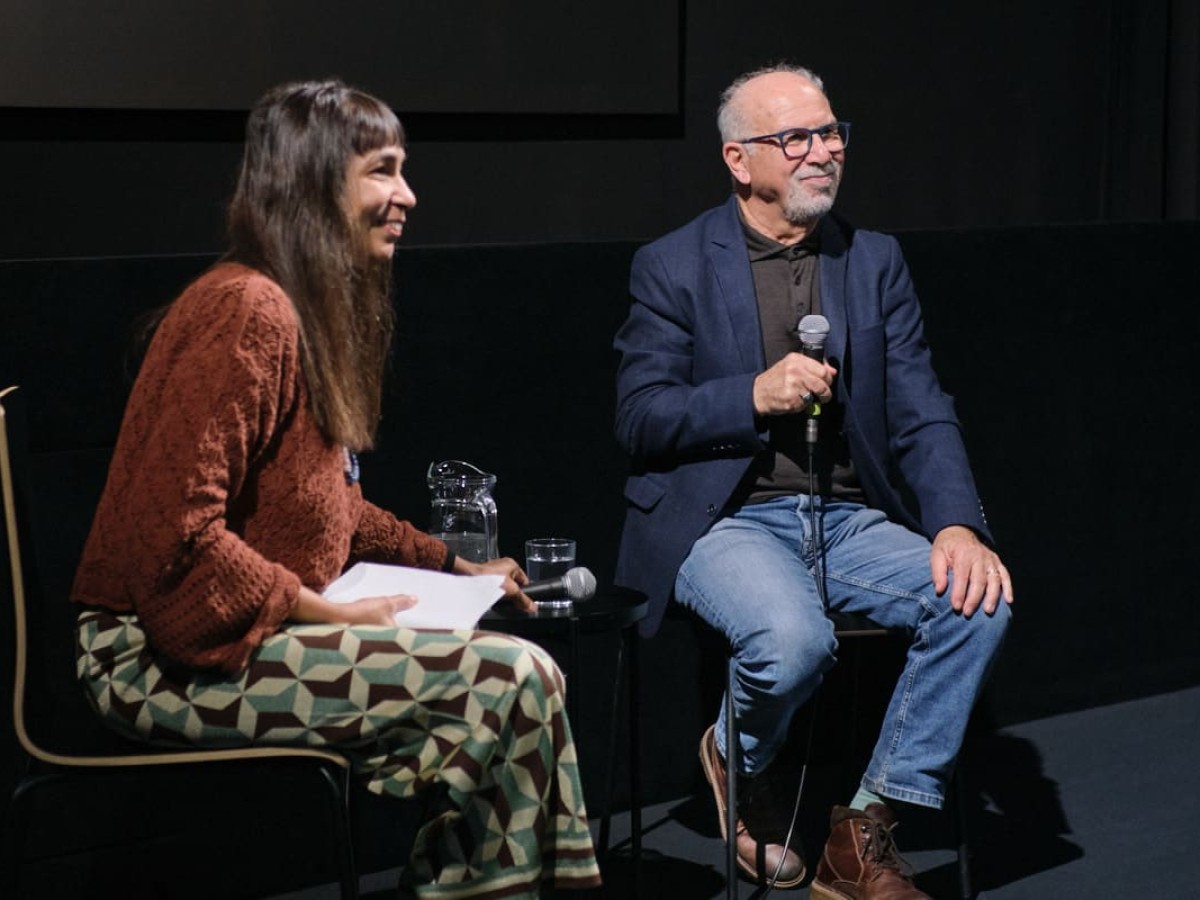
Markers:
point(796, 143)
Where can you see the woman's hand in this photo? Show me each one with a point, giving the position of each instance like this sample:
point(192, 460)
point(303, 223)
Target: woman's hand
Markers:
point(514, 577)
point(312, 607)
point(377, 610)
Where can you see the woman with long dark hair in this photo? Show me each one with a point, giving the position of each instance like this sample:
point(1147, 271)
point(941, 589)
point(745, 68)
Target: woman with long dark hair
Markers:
point(232, 501)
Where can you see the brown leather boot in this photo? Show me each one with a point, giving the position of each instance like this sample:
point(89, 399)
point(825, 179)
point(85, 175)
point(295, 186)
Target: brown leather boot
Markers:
point(762, 825)
point(860, 861)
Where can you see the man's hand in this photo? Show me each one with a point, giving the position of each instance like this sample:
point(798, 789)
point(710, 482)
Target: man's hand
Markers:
point(979, 576)
point(514, 578)
point(783, 388)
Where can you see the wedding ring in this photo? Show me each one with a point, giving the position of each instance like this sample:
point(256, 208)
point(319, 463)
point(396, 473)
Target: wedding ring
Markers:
point(808, 399)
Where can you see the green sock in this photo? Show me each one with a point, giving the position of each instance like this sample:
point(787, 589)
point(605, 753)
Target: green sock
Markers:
point(864, 798)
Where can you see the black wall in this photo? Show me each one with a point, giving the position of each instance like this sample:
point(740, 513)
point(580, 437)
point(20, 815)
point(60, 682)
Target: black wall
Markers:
point(1070, 350)
point(1030, 111)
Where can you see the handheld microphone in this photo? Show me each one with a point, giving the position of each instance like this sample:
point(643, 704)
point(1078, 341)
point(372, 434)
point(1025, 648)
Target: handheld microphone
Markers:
point(813, 330)
point(574, 584)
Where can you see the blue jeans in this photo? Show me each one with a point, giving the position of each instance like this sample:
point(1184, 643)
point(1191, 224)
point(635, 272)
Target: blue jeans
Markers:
point(751, 577)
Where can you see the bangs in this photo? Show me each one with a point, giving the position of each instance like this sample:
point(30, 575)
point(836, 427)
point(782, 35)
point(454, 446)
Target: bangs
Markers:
point(372, 124)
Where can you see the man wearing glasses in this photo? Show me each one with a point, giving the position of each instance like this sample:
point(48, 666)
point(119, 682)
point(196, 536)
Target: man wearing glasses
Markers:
point(772, 481)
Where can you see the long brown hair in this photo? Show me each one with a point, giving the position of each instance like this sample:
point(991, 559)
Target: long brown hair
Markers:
point(288, 220)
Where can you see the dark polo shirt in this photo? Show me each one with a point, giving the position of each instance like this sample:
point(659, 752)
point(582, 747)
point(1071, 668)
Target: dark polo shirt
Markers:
point(787, 285)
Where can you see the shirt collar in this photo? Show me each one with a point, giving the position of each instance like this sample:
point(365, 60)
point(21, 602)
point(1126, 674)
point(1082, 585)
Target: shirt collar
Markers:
point(762, 247)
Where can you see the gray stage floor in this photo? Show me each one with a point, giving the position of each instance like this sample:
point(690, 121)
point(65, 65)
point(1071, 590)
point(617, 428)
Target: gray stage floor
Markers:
point(1099, 803)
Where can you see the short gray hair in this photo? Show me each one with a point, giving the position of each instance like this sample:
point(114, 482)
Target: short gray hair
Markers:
point(730, 120)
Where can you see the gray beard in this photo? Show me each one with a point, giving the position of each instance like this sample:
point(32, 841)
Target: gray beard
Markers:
point(802, 208)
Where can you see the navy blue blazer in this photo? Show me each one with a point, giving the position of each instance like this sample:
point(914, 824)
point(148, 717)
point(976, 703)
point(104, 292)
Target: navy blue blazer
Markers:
point(690, 351)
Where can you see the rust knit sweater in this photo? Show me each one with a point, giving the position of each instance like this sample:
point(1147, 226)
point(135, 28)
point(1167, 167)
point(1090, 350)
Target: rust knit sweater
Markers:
point(223, 496)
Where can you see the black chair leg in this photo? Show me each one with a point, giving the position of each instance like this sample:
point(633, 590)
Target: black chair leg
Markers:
point(339, 798)
point(11, 855)
point(610, 779)
point(965, 888)
point(635, 759)
point(731, 768)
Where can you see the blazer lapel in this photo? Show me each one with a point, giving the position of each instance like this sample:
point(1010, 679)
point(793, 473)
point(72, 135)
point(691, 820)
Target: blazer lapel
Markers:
point(726, 253)
point(833, 265)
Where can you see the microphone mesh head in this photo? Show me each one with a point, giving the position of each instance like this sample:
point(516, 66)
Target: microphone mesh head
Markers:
point(813, 330)
point(580, 583)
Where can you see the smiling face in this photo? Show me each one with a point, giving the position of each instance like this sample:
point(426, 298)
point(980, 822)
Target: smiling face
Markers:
point(780, 197)
point(378, 198)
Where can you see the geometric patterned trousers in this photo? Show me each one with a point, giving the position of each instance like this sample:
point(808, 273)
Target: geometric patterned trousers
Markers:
point(478, 712)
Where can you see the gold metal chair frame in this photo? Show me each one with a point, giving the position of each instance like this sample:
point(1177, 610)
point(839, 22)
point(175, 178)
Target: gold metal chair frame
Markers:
point(333, 768)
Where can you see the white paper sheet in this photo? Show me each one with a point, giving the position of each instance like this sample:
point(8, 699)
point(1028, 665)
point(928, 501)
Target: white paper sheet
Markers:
point(443, 600)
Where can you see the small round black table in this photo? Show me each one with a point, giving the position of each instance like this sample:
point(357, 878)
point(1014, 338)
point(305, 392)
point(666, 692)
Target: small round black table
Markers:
point(611, 610)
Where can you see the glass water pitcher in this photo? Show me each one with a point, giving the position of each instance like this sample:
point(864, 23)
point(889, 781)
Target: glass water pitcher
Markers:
point(463, 513)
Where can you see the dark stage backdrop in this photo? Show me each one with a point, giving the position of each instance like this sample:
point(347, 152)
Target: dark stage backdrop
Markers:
point(1070, 350)
point(532, 56)
point(540, 122)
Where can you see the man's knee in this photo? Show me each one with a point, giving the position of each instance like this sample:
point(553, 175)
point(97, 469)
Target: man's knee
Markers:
point(994, 626)
point(788, 655)
point(984, 631)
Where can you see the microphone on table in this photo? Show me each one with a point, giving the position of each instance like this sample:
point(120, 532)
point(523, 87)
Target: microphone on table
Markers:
point(813, 330)
point(574, 584)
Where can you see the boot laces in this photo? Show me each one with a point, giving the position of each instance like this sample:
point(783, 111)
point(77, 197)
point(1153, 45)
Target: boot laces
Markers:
point(880, 848)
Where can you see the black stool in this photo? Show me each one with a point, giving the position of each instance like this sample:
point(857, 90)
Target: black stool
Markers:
point(845, 626)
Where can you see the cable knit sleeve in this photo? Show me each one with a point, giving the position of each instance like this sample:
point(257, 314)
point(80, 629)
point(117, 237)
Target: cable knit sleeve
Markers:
point(220, 381)
point(381, 537)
